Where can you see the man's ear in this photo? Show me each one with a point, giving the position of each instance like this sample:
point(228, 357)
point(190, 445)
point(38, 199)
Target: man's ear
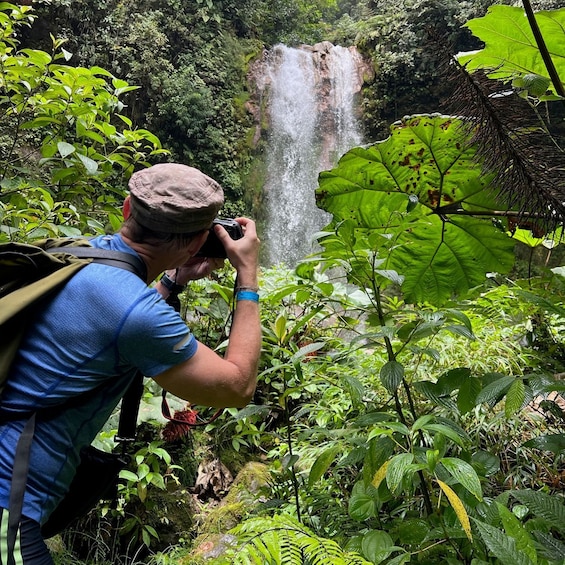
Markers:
point(126, 208)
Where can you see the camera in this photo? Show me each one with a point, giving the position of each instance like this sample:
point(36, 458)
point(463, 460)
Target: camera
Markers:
point(213, 246)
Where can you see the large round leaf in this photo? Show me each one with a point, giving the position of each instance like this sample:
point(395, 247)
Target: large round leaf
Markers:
point(423, 189)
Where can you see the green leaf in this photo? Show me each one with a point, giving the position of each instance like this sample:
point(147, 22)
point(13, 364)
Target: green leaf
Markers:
point(392, 374)
point(464, 474)
point(377, 545)
point(486, 463)
point(90, 165)
point(422, 421)
point(510, 47)
point(436, 394)
point(412, 531)
point(494, 391)
point(551, 442)
point(398, 466)
point(550, 508)
point(501, 545)
point(467, 397)
point(400, 559)
point(362, 503)
point(391, 275)
point(551, 548)
point(514, 398)
point(463, 331)
point(306, 351)
point(515, 530)
point(322, 464)
point(447, 432)
point(65, 148)
point(438, 251)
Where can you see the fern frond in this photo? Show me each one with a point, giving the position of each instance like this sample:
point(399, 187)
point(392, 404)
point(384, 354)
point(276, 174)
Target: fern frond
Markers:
point(290, 548)
point(501, 545)
point(283, 540)
point(549, 507)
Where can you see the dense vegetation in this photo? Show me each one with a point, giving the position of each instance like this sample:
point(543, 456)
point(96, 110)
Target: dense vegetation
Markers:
point(409, 406)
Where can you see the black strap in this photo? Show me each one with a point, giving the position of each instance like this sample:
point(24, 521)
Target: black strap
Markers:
point(129, 410)
point(19, 481)
point(120, 259)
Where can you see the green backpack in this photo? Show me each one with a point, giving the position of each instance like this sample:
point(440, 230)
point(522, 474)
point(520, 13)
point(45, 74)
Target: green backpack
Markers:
point(30, 274)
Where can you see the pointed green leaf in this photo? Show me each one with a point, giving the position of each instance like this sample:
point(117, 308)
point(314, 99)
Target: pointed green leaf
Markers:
point(550, 508)
point(90, 165)
point(493, 391)
point(551, 442)
point(501, 545)
point(392, 374)
point(65, 148)
point(464, 474)
point(514, 398)
point(398, 466)
point(434, 393)
point(467, 397)
point(513, 527)
point(322, 464)
point(447, 432)
point(551, 548)
point(362, 502)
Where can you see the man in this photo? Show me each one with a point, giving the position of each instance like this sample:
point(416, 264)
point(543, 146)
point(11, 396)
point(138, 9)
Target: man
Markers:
point(85, 344)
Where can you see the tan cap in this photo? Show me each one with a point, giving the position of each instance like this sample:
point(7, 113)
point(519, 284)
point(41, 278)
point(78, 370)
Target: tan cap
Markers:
point(174, 198)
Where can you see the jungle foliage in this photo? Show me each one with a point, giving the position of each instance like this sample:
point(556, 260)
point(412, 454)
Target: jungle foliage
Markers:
point(410, 397)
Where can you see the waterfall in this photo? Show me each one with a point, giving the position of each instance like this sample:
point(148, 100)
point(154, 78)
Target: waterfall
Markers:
point(310, 94)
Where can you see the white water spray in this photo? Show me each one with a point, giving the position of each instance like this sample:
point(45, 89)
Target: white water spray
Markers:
point(312, 124)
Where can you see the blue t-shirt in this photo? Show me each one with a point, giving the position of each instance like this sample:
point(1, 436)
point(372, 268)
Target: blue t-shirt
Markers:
point(92, 337)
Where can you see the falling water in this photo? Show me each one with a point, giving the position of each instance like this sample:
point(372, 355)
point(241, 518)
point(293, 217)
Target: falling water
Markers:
point(311, 124)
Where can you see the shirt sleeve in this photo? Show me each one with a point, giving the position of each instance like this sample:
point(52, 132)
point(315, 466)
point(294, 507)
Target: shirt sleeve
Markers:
point(154, 337)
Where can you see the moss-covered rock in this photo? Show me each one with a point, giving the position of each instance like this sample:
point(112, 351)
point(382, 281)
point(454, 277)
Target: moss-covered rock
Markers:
point(216, 521)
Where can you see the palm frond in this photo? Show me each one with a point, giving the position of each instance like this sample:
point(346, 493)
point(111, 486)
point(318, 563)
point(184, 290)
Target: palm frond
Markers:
point(513, 143)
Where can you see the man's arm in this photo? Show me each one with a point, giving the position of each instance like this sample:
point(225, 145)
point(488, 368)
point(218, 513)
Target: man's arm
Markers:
point(212, 380)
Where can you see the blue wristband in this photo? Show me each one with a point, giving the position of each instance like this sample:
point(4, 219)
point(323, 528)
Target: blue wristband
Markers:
point(247, 295)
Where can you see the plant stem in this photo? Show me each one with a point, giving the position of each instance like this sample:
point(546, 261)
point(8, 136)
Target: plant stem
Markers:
point(545, 55)
point(293, 478)
point(397, 403)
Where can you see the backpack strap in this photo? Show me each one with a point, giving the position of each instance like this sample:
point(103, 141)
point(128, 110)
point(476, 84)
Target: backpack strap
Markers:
point(19, 481)
point(127, 261)
point(132, 263)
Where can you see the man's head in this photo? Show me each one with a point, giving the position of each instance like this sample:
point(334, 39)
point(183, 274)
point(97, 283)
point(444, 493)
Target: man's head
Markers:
point(174, 198)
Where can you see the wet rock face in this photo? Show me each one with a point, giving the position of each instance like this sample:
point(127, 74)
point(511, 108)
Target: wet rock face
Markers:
point(327, 59)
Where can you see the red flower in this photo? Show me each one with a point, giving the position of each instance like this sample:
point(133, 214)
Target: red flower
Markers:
point(179, 426)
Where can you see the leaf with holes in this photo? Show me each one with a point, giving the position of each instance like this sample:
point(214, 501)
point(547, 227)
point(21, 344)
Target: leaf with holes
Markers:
point(436, 244)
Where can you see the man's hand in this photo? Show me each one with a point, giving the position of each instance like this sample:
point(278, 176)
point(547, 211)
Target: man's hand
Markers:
point(242, 253)
point(195, 268)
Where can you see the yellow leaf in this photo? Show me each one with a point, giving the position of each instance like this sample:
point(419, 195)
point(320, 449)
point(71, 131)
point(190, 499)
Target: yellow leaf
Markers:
point(380, 474)
point(457, 505)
